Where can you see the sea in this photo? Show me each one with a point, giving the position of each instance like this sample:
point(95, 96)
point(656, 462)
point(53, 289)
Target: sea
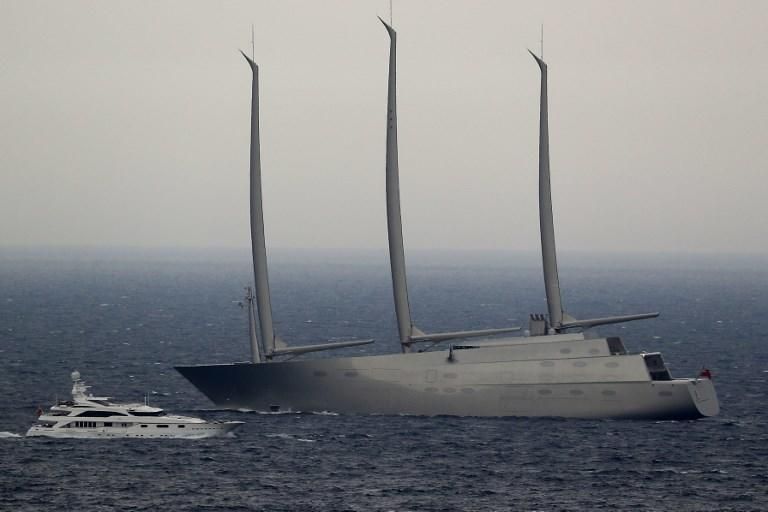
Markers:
point(124, 317)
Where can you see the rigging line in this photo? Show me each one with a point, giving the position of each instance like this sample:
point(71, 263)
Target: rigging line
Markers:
point(253, 45)
point(390, 14)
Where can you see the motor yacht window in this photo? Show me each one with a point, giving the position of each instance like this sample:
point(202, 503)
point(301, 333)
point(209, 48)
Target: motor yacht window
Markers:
point(162, 426)
point(145, 413)
point(181, 426)
point(99, 414)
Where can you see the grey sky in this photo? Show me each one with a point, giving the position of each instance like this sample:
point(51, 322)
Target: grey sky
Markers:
point(126, 123)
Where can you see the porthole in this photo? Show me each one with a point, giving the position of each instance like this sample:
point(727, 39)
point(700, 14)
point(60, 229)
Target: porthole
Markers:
point(449, 390)
point(547, 363)
point(594, 351)
point(580, 364)
point(468, 391)
point(545, 391)
point(612, 364)
point(565, 351)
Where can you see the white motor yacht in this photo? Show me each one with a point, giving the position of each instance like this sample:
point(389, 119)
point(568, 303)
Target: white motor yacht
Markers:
point(95, 417)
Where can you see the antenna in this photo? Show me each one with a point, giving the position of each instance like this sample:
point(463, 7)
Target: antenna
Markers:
point(542, 41)
point(390, 14)
point(253, 45)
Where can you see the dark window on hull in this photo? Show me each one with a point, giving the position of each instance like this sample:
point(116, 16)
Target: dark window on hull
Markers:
point(656, 367)
point(98, 414)
point(616, 346)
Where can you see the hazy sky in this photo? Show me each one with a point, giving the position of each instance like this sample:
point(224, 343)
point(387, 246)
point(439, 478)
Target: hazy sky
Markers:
point(126, 123)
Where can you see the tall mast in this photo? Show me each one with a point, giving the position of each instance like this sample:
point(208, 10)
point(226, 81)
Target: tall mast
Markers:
point(558, 319)
point(252, 336)
point(546, 221)
point(408, 332)
point(259, 256)
point(258, 244)
point(394, 219)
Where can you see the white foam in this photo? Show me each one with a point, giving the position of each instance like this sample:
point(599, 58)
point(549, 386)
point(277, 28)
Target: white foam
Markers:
point(8, 435)
point(283, 435)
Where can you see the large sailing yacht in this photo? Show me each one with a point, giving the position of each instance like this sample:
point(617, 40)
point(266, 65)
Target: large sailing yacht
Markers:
point(551, 372)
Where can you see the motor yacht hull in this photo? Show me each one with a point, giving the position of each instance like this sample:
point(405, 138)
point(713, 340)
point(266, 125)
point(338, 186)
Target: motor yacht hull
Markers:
point(532, 377)
point(174, 431)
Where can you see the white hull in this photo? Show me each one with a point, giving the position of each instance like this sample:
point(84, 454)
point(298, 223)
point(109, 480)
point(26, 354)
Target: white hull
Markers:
point(543, 376)
point(178, 431)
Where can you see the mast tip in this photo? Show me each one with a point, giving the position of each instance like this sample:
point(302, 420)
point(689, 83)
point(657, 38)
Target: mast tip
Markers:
point(250, 61)
point(387, 25)
point(539, 60)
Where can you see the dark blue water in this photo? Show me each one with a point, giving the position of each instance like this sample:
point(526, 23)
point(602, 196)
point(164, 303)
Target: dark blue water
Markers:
point(123, 320)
